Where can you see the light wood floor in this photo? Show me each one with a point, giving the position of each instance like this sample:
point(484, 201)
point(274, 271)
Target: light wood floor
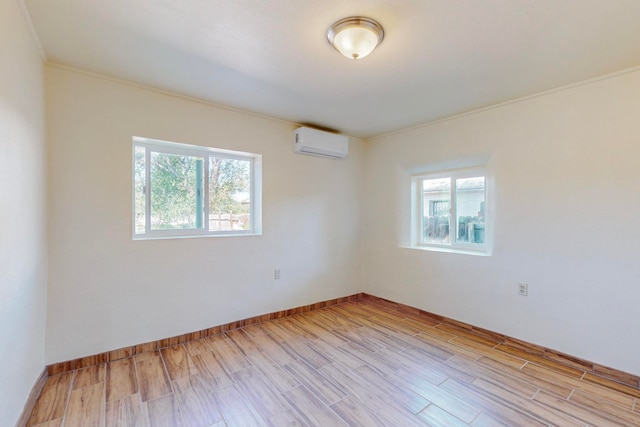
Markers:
point(361, 364)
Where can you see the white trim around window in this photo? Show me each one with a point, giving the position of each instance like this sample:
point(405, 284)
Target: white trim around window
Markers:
point(182, 190)
point(450, 211)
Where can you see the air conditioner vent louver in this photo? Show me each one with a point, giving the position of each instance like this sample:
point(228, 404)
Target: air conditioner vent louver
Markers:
point(319, 143)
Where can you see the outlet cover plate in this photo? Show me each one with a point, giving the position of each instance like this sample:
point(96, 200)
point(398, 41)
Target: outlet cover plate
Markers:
point(523, 289)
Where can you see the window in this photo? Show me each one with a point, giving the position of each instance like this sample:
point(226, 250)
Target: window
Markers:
point(187, 191)
point(450, 211)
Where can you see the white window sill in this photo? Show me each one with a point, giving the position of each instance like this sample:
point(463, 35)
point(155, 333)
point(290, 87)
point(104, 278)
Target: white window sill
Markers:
point(462, 251)
point(194, 236)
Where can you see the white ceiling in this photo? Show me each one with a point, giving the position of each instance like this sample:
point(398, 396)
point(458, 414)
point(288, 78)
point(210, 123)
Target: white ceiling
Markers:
point(438, 58)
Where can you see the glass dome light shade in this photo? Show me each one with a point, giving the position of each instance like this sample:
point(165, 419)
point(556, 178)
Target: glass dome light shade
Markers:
point(355, 37)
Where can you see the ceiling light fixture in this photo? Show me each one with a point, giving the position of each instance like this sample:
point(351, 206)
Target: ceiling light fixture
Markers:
point(355, 37)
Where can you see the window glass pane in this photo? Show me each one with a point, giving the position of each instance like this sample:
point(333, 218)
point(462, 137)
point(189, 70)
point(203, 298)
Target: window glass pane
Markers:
point(436, 194)
point(470, 209)
point(139, 187)
point(176, 191)
point(229, 194)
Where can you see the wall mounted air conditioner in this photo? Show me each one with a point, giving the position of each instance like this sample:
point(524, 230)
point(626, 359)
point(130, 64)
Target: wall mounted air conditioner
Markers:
point(315, 142)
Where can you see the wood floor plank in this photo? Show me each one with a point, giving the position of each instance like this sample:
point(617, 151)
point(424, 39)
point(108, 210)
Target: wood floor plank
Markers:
point(377, 310)
point(54, 423)
point(355, 414)
point(268, 345)
point(293, 326)
point(415, 366)
point(371, 398)
point(287, 417)
point(437, 396)
point(334, 354)
point(561, 390)
point(370, 358)
point(612, 385)
point(576, 411)
point(390, 332)
point(405, 398)
point(350, 315)
point(434, 332)
point(229, 356)
point(236, 411)
point(552, 376)
point(299, 349)
point(424, 324)
point(315, 382)
point(265, 398)
point(129, 411)
point(52, 401)
point(450, 371)
point(208, 366)
point(437, 417)
point(86, 407)
point(418, 380)
point(484, 420)
point(256, 330)
point(178, 362)
point(525, 405)
point(460, 332)
point(121, 379)
point(153, 381)
point(319, 332)
point(404, 311)
point(197, 401)
point(437, 351)
point(165, 412)
point(278, 332)
point(490, 352)
point(539, 360)
point(359, 336)
point(397, 314)
point(311, 409)
point(382, 340)
point(89, 376)
point(451, 348)
point(601, 405)
point(357, 310)
point(276, 374)
point(494, 408)
point(512, 382)
point(395, 323)
point(333, 320)
point(197, 347)
point(146, 354)
point(243, 340)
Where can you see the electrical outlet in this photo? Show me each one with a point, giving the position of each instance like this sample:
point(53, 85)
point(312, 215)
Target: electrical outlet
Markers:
point(523, 289)
point(276, 274)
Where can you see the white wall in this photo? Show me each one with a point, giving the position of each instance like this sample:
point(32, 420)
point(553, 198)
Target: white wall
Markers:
point(23, 292)
point(107, 291)
point(551, 159)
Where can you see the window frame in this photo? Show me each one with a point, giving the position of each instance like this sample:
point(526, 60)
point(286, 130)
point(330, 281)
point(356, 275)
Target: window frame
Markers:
point(174, 148)
point(418, 206)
